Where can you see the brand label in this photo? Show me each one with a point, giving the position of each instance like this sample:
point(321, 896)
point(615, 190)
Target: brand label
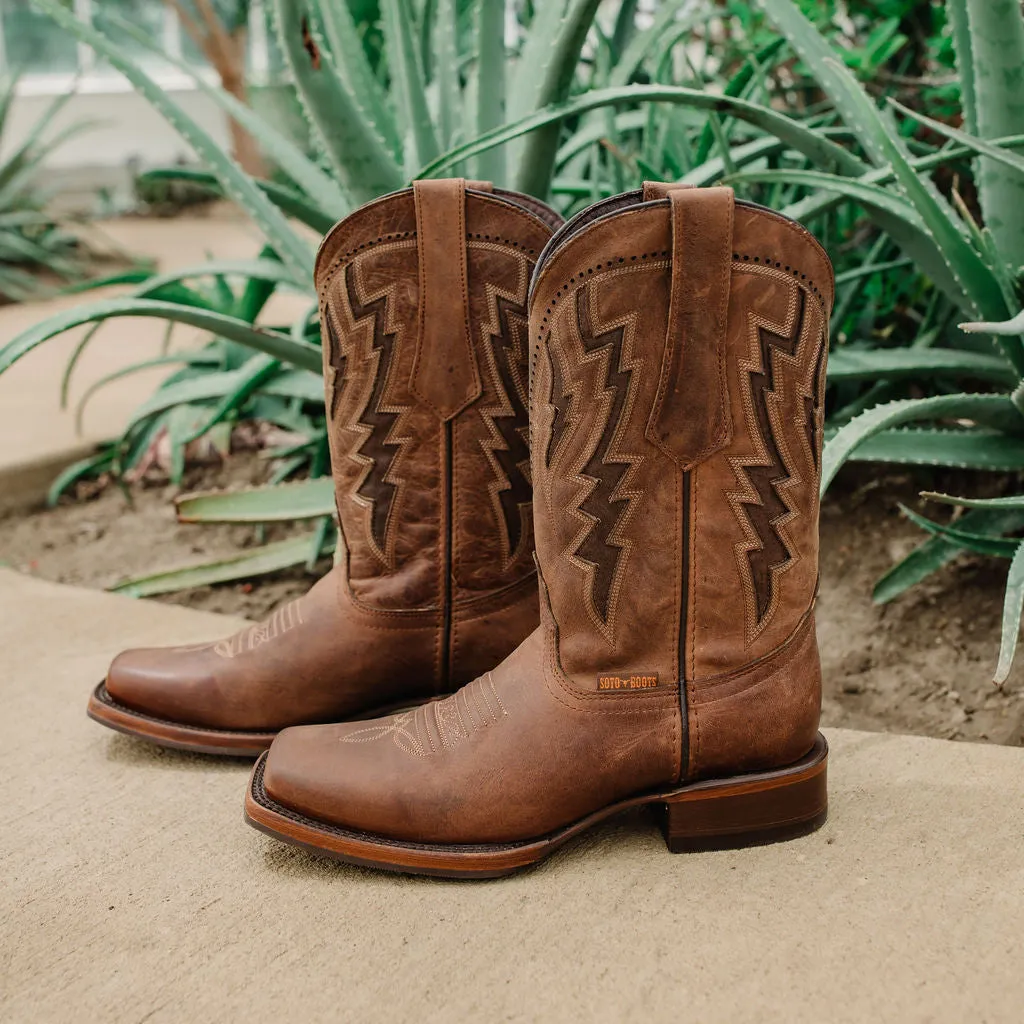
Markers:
point(631, 682)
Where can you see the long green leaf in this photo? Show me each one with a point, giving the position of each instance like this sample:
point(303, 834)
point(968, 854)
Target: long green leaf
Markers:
point(544, 76)
point(1013, 502)
point(897, 363)
point(251, 377)
point(287, 200)
point(320, 187)
point(179, 358)
point(357, 150)
point(352, 64)
point(1013, 605)
point(305, 499)
point(274, 557)
point(937, 551)
point(872, 197)
point(979, 543)
point(986, 409)
point(88, 466)
point(490, 86)
point(997, 43)
point(236, 183)
point(817, 147)
point(280, 346)
point(950, 448)
point(212, 387)
point(449, 95)
point(261, 270)
point(420, 142)
point(884, 147)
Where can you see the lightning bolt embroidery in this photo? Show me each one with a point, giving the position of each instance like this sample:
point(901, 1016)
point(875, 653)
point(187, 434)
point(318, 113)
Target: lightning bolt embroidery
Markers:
point(506, 445)
point(761, 506)
point(600, 545)
point(336, 359)
point(379, 449)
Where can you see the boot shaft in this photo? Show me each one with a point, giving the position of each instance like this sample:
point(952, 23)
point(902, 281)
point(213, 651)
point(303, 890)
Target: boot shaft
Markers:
point(425, 337)
point(680, 343)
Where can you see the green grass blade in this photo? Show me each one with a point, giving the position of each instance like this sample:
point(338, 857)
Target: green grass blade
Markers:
point(261, 339)
point(236, 183)
point(305, 499)
point(256, 562)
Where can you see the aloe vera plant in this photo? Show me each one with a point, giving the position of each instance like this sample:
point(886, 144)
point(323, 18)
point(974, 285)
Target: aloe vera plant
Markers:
point(574, 110)
point(32, 240)
point(975, 257)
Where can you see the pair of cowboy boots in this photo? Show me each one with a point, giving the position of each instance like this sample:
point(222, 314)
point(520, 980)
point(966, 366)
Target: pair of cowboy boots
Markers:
point(642, 634)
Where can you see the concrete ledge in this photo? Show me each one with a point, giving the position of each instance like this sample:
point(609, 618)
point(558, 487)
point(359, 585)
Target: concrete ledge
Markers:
point(25, 485)
point(132, 890)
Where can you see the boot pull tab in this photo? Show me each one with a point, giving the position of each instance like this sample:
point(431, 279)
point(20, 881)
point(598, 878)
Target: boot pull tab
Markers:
point(661, 189)
point(690, 419)
point(444, 373)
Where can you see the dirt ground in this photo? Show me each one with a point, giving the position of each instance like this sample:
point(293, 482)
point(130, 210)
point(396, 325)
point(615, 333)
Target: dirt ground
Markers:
point(921, 664)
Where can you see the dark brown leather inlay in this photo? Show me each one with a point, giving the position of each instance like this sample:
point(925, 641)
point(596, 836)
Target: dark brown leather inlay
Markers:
point(767, 480)
point(376, 487)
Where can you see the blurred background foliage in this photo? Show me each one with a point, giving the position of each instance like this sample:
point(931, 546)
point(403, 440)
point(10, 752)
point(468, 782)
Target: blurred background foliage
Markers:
point(892, 129)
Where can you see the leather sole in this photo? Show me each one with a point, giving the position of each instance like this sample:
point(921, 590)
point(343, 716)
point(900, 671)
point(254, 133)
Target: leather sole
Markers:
point(103, 708)
point(744, 810)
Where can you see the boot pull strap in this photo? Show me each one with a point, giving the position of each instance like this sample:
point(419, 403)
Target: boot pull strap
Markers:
point(661, 189)
point(444, 373)
point(690, 419)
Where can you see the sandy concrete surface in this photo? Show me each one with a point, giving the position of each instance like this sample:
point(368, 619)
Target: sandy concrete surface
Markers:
point(132, 891)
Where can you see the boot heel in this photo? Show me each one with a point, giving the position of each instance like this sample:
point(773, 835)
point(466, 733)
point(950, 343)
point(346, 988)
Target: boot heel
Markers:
point(750, 809)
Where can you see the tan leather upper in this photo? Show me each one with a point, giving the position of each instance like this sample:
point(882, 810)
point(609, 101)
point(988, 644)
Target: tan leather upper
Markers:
point(423, 310)
point(677, 436)
point(678, 351)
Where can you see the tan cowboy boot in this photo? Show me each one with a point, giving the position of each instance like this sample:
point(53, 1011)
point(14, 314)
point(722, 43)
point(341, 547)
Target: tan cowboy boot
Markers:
point(423, 305)
point(678, 361)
